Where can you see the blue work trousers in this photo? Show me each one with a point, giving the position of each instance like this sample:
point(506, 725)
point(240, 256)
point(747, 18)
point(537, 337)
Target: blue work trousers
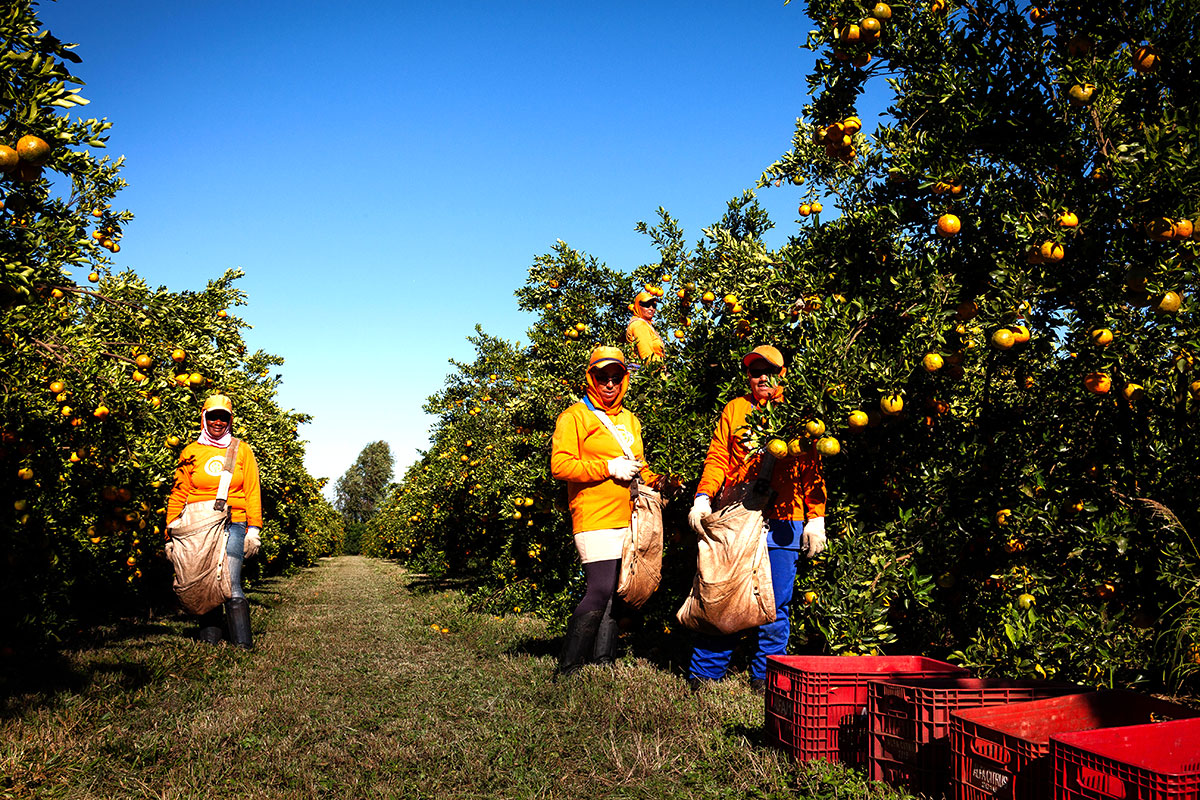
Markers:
point(235, 549)
point(711, 655)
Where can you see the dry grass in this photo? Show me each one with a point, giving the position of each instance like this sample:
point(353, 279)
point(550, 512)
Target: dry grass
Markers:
point(352, 693)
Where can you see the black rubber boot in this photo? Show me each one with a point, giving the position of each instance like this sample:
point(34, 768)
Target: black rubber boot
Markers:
point(579, 642)
point(605, 649)
point(211, 627)
point(237, 611)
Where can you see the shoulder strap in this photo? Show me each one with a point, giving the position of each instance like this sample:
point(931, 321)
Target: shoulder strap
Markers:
point(226, 475)
point(607, 423)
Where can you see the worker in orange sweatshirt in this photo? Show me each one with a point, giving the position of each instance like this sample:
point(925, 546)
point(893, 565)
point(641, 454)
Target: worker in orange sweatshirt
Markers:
point(598, 469)
point(640, 332)
point(197, 479)
point(795, 519)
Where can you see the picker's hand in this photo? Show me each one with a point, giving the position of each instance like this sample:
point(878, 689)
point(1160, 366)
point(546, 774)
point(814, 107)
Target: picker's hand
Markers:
point(253, 542)
point(814, 537)
point(701, 508)
point(624, 469)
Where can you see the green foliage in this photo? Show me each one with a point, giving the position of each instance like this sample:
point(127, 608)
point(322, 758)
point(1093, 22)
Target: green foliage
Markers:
point(364, 485)
point(997, 471)
point(88, 464)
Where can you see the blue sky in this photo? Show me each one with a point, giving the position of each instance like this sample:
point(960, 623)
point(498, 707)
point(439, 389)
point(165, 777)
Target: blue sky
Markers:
point(386, 172)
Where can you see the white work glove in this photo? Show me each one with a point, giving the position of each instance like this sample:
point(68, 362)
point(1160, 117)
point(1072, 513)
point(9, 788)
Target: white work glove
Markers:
point(701, 508)
point(253, 542)
point(814, 537)
point(623, 469)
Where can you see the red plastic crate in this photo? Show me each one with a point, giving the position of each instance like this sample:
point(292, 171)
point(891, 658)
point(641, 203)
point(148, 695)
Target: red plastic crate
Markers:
point(1003, 752)
point(816, 706)
point(909, 723)
point(1140, 762)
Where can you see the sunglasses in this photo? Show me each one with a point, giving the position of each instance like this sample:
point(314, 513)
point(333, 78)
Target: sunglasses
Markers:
point(758, 372)
point(605, 378)
point(219, 416)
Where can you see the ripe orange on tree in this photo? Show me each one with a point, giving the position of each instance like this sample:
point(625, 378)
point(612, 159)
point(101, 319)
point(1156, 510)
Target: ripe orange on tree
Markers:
point(881, 11)
point(1167, 302)
point(1003, 339)
point(932, 362)
point(891, 404)
point(828, 446)
point(1097, 382)
point(777, 448)
point(814, 428)
point(1102, 337)
point(1068, 219)
point(8, 158)
point(33, 150)
point(858, 420)
point(1145, 59)
point(948, 225)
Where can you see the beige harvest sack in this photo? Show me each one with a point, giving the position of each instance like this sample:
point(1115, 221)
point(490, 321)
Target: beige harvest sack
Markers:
point(732, 588)
point(197, 548)
point(641, 556)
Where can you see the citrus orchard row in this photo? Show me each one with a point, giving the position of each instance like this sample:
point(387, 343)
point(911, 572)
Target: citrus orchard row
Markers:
point(996, 331)
point(101, 380)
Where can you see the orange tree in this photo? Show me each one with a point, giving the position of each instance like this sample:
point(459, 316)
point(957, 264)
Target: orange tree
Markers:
point(101, 380)
point(991, 343)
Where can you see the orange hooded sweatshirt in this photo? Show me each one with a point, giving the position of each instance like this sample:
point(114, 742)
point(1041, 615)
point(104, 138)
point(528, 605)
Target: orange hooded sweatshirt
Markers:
point(582, 447)
point(799, 487)
point(641, 334)
point(198, 475)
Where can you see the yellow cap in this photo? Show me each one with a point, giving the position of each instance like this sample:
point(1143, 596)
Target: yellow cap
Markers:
point(605, 355)
point(218, 401)
point(767, 353)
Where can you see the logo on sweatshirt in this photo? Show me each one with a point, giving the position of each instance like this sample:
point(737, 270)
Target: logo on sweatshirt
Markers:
point(626, 435)
point(214, 465)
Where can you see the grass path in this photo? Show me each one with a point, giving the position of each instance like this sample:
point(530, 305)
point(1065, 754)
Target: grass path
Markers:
point(353, 692)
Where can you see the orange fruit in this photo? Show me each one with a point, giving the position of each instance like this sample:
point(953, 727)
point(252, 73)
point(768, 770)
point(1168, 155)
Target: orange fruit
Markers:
point(57, 387)
point(33, 150)
point(815, 428)
point(777, 448)
point(891, 404)
point(1145, 59)
point(948, 225)
point(1020, 334)
point(1081, 94)
point(144, 361)
point(1133, 392)
point(932, 362)
point(707, 297)
point(869, 26)
point(1025, 601)
point(797, 447)
point(1102, 337)
point(1052, 252)
point(222, 313)
point(1067, 219)
point(1097, 382)
point(731, 299)
point(195, 379)
point(859, 419)
point(1183, 229)
point(851, 33)
point(1167, 302)
point(817, 207)
point(94, 277)
point(101, 412)
point(828, 446)
point(178, 356)
point(8, 158)
point(804, 210)
point(1003, 339)
point(881, 11)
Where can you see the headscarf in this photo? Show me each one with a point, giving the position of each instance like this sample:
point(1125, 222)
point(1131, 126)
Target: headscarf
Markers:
point(599, 358)
point(215, 402)
point(638, 310)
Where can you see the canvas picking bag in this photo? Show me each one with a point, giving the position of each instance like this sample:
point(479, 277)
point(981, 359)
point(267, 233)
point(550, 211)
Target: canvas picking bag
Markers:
point(641, 552)
point(732, 589)
point(197, 547)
